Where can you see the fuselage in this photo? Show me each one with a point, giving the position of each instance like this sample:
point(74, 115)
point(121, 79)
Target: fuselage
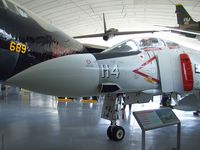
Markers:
point(135, 65)
point(26, 40)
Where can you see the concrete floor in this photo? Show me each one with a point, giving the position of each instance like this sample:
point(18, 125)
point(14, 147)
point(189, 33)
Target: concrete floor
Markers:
point(31, 121)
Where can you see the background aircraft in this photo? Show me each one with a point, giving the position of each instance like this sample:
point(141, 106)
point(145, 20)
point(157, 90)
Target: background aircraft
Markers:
point(185, 21)
point(187, 25)
point(112, 32)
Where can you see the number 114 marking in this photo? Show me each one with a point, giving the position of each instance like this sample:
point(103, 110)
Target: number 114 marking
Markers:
point(107, 71)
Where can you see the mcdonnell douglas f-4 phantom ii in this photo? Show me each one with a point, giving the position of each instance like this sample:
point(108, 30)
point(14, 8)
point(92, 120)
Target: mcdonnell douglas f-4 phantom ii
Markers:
point(31, 51)
point(139, 68)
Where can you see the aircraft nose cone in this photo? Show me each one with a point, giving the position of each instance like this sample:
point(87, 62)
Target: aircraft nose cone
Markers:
point(74, 75)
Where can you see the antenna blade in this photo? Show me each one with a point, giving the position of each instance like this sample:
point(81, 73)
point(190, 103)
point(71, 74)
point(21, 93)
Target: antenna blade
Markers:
point(104, 23)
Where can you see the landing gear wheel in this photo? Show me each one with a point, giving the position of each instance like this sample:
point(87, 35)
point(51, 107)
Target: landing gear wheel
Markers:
point(166, 102)
point(196, 113)
point(95, 98)
point(109, 132)
point(118, 133)
point(86, 98)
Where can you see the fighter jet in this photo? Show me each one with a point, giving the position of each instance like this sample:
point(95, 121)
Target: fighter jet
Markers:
point(186, 25)
point(26, 40)
point(139, 68)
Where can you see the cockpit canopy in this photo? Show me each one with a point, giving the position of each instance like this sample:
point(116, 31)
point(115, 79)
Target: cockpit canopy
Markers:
point(142, 44)
point(150, 43)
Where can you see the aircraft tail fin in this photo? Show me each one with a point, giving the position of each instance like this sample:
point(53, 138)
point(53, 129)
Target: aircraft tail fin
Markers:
point(183, 18)
point(104, 23)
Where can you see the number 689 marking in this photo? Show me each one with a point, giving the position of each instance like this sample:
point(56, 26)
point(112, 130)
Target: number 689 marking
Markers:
point(17, 47)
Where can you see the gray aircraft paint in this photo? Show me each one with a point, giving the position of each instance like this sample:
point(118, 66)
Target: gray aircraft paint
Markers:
point(74, 75)
point(127, 80)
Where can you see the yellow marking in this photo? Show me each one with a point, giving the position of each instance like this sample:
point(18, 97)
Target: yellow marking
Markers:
point(25, 96)
point(88, 101)
point(17, 47)
point(64, 100)
point(149, 80)
point(24, 90)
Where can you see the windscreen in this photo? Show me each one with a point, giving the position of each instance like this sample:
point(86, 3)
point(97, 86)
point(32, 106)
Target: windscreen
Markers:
point(126, 46)
point(150, 43)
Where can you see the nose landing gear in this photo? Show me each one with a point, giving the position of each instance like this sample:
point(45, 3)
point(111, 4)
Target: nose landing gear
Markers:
point(166, 100)
point(110, 111)
point(116, 133)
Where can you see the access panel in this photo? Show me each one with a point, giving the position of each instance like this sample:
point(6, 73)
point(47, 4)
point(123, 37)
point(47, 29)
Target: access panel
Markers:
point(170, 71)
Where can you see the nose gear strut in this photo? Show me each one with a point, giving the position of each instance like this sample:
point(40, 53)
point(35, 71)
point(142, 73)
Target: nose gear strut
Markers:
point(110, 111)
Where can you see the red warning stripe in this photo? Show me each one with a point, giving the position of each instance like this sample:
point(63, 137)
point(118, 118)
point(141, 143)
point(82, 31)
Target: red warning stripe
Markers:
point(187, 73)
point(143, 74)
point(152, 49)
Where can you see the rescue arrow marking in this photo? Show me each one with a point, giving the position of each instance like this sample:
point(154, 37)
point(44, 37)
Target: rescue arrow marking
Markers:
point(145, 75)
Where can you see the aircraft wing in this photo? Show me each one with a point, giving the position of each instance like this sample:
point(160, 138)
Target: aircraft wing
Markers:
point(116, 33)
point(89, 35)
point(136, 32)
point(182, 31)
point(185, 31)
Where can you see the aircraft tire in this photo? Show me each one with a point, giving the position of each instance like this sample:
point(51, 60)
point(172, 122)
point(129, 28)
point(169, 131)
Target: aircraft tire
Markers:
point(86, 98)
point(109, 132)
point(196, 113)
point(95, 98)
point(166, 103)
point(118, 133)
